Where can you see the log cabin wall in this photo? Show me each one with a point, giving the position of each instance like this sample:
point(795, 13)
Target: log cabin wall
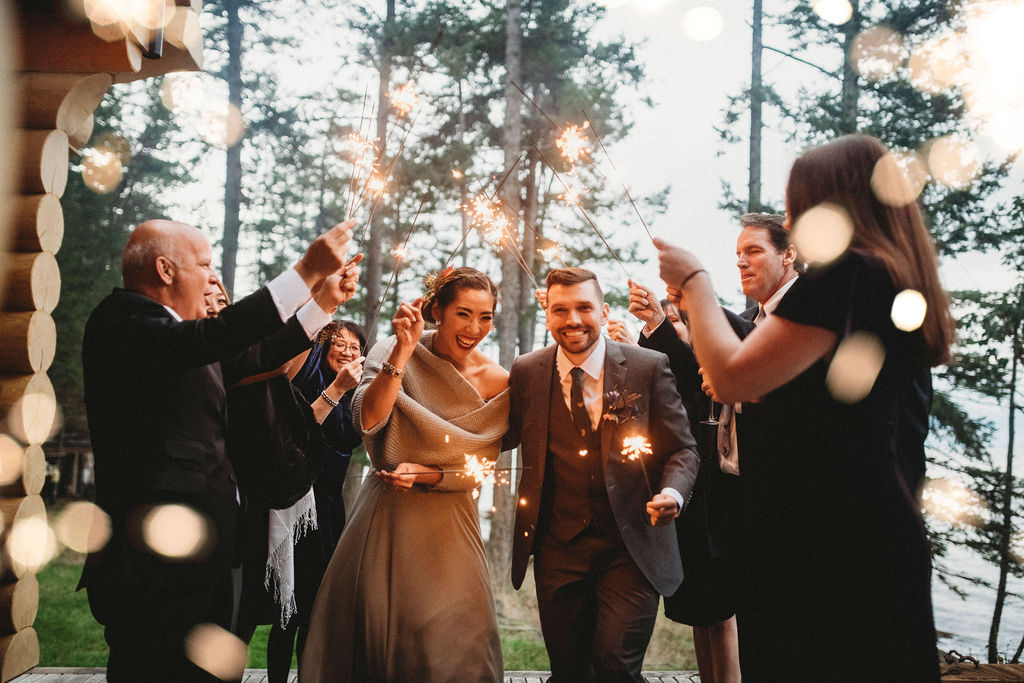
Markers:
point(55, 82)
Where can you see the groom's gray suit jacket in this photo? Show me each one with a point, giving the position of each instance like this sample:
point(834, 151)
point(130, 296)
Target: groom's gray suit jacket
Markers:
point(661, 419)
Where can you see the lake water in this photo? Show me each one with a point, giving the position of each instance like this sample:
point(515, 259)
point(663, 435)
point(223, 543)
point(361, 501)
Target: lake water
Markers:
point(968, 621)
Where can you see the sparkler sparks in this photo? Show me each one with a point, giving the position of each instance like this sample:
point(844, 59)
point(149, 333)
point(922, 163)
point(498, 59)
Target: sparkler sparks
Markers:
point(573, 143)
point(404, 99)
point(401, 252)
point(634, 447)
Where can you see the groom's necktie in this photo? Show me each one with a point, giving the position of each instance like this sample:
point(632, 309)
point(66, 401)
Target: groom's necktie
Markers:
point(580, 417)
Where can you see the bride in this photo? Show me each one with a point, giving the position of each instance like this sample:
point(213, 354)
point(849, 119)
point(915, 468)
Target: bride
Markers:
point(407, 596)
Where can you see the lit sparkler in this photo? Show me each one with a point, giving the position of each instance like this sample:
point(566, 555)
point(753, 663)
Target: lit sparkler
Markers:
point(573, 143)
point(635, 448)
point(583, 212)
point(404, 99)
point(401, 252)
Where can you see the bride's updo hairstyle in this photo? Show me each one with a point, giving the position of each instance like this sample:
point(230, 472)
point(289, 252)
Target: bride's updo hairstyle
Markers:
point(442, 287)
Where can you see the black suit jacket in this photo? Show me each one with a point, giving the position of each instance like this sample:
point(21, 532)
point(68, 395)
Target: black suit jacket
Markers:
point(155, 401)
point(662, 420)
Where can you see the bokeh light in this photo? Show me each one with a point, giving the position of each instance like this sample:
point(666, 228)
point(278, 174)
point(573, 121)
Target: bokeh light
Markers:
point(176, 531)
point(953, 160)
point(833, 11)
point(31, 544)
point(952, 502)
point(938, 63)
point(908, 310)
point(855, 367)
point(101, 170)
point(216, 651)
point(702, 24)
point(221, 124)
point(877, 52)
point(897, 180)
point(83, 527)
point(33, 416)
point(822, 234)
point(10, 460)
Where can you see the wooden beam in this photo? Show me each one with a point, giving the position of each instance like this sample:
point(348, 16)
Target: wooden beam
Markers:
point(183, 49)
point(30, 406)
point(29, 481)
point(18, 653)
point(28, 342)
point(17, 511)
point(33, 282)
point(63, 101)
point(44, 161)
point(53, 42)
point(37, 223)
point(19, 604)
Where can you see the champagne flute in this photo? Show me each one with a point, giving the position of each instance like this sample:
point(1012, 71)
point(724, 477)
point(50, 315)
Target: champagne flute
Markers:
point(710, 419)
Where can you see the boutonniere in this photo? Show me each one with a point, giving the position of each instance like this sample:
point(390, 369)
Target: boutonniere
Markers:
point(620, 406)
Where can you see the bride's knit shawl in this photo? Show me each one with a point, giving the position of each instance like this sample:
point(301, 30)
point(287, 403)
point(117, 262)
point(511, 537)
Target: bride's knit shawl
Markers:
point(438, 417)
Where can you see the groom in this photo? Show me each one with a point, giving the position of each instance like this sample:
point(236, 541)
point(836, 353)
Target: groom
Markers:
point(598, 523)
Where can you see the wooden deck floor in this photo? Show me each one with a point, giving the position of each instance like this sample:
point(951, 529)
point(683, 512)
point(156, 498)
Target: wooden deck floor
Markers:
point(98, 675)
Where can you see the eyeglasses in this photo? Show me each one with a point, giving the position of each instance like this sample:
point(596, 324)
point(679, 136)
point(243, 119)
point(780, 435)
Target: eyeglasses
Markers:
point(340, 345)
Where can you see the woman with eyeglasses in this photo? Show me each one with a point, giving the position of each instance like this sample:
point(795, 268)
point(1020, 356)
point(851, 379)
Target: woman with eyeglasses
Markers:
point(286, 554)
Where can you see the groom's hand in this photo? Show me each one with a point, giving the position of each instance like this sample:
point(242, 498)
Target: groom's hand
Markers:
point(663, 509)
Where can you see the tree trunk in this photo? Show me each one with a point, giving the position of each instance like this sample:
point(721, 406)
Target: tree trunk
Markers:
point(373, 249)
point(499, 544)
point(463, 194)
point(1004, 551)
point(233, 169)
point(527, 307)
point(756, 100)
point(851, 89)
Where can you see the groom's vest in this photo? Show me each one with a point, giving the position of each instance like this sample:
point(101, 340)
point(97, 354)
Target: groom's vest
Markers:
point(574, 496)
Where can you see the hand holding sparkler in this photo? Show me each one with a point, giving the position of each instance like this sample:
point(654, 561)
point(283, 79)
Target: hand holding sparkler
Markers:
point(349, 375)
point(407, 474)
point(663, 509)
point(338, 288)
point(678, 267)
point(618, 331)
point(644, 304)
point(326, 255)
point(542, 297)
point(408, 328)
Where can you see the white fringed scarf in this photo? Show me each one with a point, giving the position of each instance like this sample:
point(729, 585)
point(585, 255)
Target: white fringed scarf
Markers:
point(284, 529)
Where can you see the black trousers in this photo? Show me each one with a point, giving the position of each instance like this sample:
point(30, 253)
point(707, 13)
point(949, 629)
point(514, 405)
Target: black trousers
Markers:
point(597, 609)
point(147, 641)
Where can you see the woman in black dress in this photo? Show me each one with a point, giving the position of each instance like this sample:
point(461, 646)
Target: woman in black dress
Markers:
point(836, 568)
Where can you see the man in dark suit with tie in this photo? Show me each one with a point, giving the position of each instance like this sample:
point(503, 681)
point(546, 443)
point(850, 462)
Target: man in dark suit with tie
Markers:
point(598, 523)
point(155, 400)
point(766, 263)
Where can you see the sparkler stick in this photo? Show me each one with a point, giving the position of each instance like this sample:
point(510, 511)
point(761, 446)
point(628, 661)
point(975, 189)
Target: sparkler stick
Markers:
point(462, 470)
point(398, 265)
point(387, 176)
point(635, 448)
point(357, 159)
point(582, 211)
point(497, 189)
point(535, 105)
point(617, 176)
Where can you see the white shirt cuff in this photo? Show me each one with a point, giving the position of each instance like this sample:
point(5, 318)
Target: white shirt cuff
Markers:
point(312, 318)
point(669, 491)
point(289, 291)
point(646, 334)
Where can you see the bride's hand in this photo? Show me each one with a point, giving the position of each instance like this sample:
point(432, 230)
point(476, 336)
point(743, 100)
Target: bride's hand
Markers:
point(408, 325)
point(675, 263)
point(406, 474)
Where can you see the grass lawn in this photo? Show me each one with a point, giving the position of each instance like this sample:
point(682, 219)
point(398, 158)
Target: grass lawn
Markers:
point(68, 635)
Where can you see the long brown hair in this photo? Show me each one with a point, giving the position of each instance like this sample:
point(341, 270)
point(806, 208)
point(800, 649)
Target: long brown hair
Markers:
point(840, 172)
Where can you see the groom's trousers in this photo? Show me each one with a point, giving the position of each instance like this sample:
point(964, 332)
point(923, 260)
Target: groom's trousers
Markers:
point(597, 609)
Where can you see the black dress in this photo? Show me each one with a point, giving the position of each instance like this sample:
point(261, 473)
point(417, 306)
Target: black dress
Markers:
point(837, 568)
